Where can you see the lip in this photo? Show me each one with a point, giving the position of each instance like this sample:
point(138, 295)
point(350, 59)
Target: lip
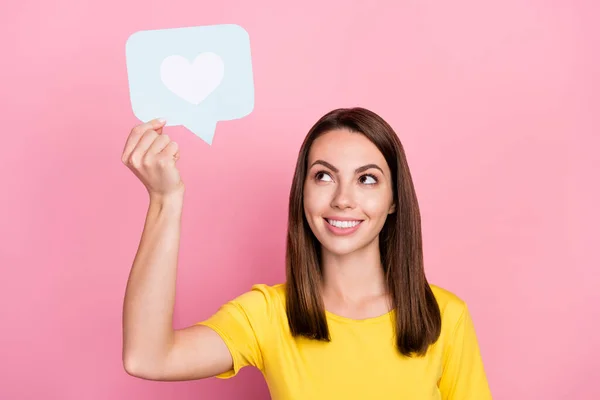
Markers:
point(343, 219)
point(342, 231)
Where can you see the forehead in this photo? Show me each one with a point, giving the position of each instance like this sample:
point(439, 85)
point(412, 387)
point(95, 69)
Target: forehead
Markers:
point(343, 147)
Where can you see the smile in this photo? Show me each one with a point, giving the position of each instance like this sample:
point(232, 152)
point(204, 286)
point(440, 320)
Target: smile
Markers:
point(342, 228)
point(343, 224)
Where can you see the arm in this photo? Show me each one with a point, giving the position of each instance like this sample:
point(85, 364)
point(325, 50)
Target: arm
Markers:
point(152, 349)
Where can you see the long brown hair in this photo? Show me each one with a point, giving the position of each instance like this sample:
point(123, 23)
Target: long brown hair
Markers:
point(417, 315)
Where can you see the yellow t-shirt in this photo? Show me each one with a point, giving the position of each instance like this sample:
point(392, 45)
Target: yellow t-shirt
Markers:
point(360, 362)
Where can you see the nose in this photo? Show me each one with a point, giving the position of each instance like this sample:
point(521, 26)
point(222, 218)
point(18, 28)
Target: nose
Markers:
point(343, 197)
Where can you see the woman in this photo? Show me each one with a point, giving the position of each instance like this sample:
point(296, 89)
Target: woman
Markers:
point(356, 318)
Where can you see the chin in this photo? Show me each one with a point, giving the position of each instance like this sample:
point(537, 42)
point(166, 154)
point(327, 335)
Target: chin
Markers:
point(343, 246)
point(339, 249)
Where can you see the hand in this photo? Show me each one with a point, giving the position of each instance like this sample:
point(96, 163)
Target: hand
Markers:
point(151, 155)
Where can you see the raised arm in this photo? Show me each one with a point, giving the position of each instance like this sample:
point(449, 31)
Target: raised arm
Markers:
point(152, 349)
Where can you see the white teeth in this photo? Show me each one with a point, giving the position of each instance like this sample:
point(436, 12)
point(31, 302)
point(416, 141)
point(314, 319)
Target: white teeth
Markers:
point(343, 224)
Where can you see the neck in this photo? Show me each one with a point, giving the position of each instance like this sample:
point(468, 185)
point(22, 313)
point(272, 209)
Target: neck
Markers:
point(355, 276)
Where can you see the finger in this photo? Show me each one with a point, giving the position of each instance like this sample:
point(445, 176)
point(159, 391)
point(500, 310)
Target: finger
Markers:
point(136, 134)
point(146, 141)
point(159, 143)
point(171, 150)
point(154, 124)
point(139, 153)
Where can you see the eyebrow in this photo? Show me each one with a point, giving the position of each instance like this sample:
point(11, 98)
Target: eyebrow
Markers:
point(357, 170)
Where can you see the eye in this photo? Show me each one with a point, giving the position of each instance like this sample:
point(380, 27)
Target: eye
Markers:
point(368, 179)
point(323, 176)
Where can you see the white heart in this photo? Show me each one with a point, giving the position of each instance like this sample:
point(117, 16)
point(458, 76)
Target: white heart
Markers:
point(192, 82)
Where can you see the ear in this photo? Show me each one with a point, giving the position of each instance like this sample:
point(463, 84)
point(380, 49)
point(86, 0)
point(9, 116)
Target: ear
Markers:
point(392, 209)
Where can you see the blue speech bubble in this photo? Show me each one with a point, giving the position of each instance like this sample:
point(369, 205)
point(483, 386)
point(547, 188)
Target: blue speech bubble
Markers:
point(193, 76)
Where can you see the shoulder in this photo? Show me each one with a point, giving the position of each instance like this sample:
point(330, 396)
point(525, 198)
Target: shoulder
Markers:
point(453, 308)
point(271, 293)
point(261, 298)
point(448, 301)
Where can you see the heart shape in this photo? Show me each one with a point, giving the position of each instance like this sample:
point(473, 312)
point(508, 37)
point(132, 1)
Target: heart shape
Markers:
point(194, 81)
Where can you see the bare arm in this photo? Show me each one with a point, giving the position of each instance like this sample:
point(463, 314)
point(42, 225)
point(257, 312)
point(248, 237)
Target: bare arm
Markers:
point(152, 349)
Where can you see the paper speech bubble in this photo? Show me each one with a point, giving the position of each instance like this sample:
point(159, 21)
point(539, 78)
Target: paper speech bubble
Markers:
point(193, 76)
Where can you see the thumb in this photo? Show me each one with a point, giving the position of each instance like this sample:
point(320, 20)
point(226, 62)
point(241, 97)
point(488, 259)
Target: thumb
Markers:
point(158, 124)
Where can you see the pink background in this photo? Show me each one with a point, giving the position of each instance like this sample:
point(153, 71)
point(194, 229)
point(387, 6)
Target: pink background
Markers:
point(496, 103)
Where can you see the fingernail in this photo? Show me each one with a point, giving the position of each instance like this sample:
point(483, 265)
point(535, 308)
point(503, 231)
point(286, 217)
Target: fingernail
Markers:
point(162, 120)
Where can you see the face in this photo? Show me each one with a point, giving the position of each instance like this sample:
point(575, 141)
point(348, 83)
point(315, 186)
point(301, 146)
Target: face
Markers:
point(348, 191)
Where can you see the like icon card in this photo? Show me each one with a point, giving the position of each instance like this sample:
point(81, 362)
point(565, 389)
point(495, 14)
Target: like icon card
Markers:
point(195, 76)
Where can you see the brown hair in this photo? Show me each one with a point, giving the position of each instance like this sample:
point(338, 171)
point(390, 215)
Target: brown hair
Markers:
point(417, 315)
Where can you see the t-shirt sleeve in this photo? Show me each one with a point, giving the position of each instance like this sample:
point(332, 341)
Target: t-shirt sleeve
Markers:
point(463, 376)
point(243, 324)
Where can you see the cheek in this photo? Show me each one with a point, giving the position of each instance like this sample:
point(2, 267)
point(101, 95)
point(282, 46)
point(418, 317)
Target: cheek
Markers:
point(315, 201)
point(376, 206)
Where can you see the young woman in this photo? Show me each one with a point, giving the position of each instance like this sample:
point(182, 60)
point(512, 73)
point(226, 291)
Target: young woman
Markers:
point(356, 317)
